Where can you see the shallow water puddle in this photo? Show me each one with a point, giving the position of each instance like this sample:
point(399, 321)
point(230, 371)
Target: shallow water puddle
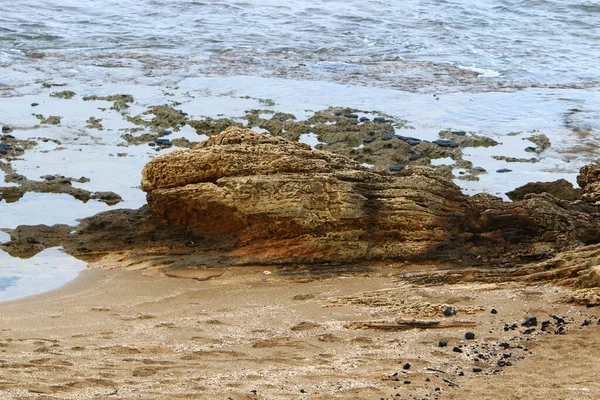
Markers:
point(47, 209)
point(45, 271)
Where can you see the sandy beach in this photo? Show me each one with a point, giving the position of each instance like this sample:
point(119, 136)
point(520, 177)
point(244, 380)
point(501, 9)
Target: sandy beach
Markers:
point(256, 333)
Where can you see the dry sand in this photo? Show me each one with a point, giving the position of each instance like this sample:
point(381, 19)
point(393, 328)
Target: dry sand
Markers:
point(252, 333)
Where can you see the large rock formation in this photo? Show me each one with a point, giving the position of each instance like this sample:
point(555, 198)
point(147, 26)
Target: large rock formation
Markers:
point(273, 200)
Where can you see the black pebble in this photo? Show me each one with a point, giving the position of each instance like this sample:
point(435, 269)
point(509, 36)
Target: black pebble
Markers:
point(457, 350)
point(504, 345)
point(364, 119)
point(406, 366)
point(503, 170)
point(35, 104)
point(449, 311)
point(445, 143)
point(151, 144)
point(396, 168)
point(6, 129)
point(388, 136)
point(302, 391)
point(427, 380)
point(381, 120)
point(442, 343)
point(530, 321)
point(407, 382)
point(469, 336)
point(459, 133)
point(586, 322)
point(476, 369)
point(351, 115)
point(494, 311)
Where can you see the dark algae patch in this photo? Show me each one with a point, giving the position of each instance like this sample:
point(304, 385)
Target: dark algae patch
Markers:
point(51, 120)
point(120, 101)
point(65, 94)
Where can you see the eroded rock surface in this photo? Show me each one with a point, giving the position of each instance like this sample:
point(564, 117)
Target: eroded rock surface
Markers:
point(279, 201)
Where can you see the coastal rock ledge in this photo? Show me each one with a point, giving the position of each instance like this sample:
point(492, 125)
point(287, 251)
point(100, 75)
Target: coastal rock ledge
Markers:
point(270, 200)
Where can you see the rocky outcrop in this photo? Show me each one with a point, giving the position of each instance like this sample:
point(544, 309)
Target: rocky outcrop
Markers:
point(589, 181)
point(561, 189)
point(279, 201)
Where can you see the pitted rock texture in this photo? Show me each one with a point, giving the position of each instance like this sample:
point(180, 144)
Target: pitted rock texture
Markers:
point(280, 201)
point(589, 181)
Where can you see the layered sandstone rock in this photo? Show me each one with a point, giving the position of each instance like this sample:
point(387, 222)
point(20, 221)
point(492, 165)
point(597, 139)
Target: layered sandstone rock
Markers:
point(280, 201)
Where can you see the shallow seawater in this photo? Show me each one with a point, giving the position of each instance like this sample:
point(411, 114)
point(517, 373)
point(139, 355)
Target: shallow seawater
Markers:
point(47, 270)
point(505, 69)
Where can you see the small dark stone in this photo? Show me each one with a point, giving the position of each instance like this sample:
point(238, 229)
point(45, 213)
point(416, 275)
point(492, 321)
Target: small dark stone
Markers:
point(559, 320)
point(528, 331)
point(530, 321)
point(410, 151)
point(369, 140)
point(371, 133)
point(480, 169)
point(469, 336)
point(410, 140)
point(364, 119)
point(407, 382)
point(406, 366)
point(476, 369)
point(504, 345)
point(590, 305)
point(351, 115)
point(437, 389)
point(442, 343)
point(494, 311)
point(6, 129)
point(302, 391)
point(5, 137)
point(19, 149)
point(449, 311)
point(586, 322)
point(388, 136)
point(151, 144)
point(380, 120)
point(414, 157)
point(396, 168)
point(461, 373)
point(459, 133)
point(167, 132)
point(49, 177)
point(35, 104)
point(457, 350)
point(531, 149)
point(337, 114)
point(427, 380)
point(503, 170)
point(445, 143)
point(163, 142)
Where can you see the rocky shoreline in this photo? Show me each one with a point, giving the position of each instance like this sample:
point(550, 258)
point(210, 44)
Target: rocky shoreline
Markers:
point(398, 245)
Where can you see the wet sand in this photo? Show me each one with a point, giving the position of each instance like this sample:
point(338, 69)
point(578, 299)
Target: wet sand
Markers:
point(256, 333)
